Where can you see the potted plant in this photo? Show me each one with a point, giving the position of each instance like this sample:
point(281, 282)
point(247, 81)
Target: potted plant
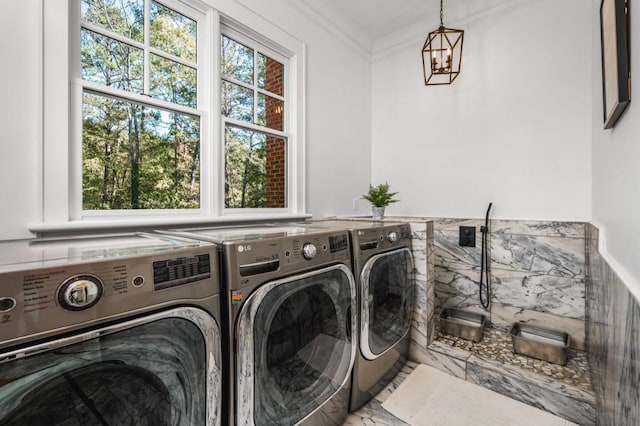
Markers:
point(379, 197)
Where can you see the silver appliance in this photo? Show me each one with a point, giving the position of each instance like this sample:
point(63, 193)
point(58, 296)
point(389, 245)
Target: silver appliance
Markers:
point(121, 329)
point(383, 266)
point(290, 310)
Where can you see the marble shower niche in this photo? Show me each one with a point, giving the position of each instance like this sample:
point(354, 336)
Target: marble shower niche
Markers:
point(537, 273)
point(537, 276)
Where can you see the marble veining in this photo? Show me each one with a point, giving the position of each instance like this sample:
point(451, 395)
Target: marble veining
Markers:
point(539, 292)
point(557, 256)
point(540, 228)
point(519, 385)
point(612, 339)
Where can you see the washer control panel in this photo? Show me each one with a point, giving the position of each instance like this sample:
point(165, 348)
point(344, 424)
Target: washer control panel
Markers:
point(36, 301)
point(253, 260)
point(382, 238)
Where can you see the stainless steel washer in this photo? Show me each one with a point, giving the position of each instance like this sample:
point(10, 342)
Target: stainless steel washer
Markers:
point(290, 309)
point(110, 330)
point(383, 266)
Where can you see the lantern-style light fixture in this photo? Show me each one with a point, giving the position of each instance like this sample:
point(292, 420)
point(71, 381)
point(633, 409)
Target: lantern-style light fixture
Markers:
point(442, 55)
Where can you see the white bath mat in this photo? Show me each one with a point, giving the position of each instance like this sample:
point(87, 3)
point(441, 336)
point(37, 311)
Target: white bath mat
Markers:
point(429, 397)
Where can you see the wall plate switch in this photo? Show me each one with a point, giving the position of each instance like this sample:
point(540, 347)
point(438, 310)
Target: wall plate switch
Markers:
point(355, 204)
point(467, 236)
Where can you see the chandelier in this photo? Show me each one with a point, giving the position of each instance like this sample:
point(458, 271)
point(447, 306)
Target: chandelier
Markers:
point(442, 54)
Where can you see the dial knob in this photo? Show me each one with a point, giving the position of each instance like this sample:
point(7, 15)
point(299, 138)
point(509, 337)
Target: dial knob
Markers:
point(7, 304)
point(80, 292)
point(309, 251)
point(392, 236)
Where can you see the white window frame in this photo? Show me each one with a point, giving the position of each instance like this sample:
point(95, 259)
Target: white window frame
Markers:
point(78, 86)
point(61, 186)
point(254, 42)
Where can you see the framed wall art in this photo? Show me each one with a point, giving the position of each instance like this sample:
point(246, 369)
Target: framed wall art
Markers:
point(616, 74)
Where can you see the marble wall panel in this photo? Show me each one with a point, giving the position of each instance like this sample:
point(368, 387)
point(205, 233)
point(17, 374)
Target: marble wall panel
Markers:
point(536, 266)
point(448, 359)
point(457, 269)
point(612, 340)
point(540, 228)
point(547, 394)
point(555, 256)
point(562, 296)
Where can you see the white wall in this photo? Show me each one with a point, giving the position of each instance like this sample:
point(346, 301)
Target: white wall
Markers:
point(514, 128)
point(338, 109)
point(616, 167)
point(20, 116)
point(338, 112)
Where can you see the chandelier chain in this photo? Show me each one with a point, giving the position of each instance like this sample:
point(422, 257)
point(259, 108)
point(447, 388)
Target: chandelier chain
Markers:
point(441, 24)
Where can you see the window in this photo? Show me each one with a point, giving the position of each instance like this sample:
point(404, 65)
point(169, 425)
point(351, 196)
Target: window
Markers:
point(141, 129)
point(169, 108)
point(253, 104)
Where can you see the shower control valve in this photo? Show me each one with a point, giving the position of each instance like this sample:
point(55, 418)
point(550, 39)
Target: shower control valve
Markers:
point(392, 236)
point(309, 251)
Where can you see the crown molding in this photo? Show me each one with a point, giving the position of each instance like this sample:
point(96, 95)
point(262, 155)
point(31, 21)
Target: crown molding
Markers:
point(416, 34)
point(337, 24)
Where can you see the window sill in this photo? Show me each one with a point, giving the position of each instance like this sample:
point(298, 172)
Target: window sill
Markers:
point(149, 224)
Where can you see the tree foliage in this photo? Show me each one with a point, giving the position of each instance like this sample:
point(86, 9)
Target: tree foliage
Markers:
point(141, 156)
point(137, 156)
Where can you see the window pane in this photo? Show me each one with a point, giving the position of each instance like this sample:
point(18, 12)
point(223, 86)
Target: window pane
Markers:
point(172, 32)
point(270, 75)
point(173, 82)
point(237, 102)
point(270, 112)
point(110, 62)
point(236, 60)
point(255, 169)
point(123, 17)
point(137, 157)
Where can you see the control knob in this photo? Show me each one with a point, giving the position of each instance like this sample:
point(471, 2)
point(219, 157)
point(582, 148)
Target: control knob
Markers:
point(392, 236)
point(80, 292)
point(309, 251)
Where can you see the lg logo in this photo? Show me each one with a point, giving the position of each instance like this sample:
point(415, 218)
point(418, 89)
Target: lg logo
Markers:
point(242, 248)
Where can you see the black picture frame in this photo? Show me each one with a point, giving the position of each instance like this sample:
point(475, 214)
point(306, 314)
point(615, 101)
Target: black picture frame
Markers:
point(616, 72)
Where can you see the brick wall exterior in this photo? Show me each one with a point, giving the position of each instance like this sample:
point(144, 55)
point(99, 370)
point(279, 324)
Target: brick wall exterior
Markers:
point(276, 147)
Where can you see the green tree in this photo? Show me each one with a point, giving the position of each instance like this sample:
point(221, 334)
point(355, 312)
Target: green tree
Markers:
point(137, 156)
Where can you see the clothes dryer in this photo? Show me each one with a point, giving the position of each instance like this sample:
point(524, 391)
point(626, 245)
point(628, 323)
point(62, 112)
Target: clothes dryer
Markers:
point(383, 267)
point(110, 330)
point(290, 309)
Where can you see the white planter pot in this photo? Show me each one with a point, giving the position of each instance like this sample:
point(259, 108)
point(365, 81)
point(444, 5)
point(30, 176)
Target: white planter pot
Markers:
point(377, 213)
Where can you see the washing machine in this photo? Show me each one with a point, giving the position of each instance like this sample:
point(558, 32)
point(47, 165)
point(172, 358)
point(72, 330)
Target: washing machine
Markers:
point(110, 330)
point(383, 266)
point(290, 309)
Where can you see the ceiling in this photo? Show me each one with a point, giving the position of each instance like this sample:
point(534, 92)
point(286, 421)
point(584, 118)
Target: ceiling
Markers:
point(379, 18)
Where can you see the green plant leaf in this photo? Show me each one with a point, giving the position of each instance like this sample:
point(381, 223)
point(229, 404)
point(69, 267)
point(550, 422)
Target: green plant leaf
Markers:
point(379, 195)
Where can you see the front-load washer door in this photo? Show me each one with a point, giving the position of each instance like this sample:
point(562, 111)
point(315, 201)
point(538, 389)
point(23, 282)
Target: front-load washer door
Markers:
point(386, 301)
point(295, 346)
point(160, 369)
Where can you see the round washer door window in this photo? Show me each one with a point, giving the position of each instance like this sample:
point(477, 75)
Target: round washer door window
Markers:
point(295, 346)
point(387, 298)
point(162, 369)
